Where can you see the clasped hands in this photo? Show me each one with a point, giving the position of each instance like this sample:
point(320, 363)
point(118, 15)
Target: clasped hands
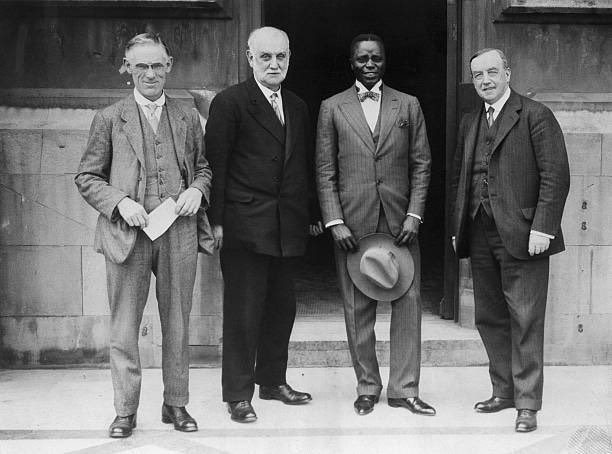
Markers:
point(135, 215)
point(344, 239)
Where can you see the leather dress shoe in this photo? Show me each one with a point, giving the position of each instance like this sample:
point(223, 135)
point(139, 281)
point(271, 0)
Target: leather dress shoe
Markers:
point(122, 426)
point(365, 404)
point(526, 421)
point(414, 404)
point(284, 393)
point(178, 416)
point(494, 404)
point(241, 411)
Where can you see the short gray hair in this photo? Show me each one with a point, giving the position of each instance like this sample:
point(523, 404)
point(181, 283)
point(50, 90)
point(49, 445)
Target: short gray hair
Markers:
point(255, 32)
point(492, 49)
point(146, 38)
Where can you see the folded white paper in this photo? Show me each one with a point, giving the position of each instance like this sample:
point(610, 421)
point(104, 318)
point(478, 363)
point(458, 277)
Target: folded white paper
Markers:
point(160, 219)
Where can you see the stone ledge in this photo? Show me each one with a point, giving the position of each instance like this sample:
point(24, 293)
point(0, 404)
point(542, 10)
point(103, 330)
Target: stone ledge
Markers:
point(75, 98)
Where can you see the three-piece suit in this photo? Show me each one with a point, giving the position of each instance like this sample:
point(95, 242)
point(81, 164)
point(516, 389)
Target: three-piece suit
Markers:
point(371, 179)
point(260, 197)
point(510, 178)
point(126, 157)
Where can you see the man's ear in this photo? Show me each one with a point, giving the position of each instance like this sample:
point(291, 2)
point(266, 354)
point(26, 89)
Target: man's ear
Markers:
point(126, 65)
point(169, 65)
point(249, 56)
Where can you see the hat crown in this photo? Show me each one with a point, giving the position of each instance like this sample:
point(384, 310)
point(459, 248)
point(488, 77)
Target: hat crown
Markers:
point(380, 266)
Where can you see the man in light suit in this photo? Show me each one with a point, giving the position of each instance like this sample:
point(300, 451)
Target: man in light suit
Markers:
point(511, 179)
point(258, 143)
point(141, 151)
point(373, 169)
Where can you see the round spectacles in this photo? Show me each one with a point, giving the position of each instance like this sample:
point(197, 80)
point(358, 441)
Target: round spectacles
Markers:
point(157, 68)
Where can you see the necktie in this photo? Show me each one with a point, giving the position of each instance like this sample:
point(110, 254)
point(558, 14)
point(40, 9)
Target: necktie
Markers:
point(151, 117)
point(277, 111)
point(490, 111)
point(368, 94)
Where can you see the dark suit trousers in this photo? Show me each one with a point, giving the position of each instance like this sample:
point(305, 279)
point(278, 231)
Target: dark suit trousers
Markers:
point(510, 304)
point(405, 335)
point(258, 316)
point(172, 257)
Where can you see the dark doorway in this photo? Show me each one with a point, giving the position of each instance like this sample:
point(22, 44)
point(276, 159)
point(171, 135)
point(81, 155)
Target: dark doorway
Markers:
point(414, 33)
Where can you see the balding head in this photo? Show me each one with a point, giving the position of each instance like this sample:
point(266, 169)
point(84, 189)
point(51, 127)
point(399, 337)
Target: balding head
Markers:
point(268, 55)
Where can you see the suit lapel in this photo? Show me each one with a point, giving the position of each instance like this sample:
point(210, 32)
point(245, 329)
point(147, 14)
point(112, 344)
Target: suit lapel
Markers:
point(178, 128)
point(290, 126)
point(389, 109)
point(509, 118)
point(352, 111)
point(470, 141)
point(262, 112)
point(132, 128)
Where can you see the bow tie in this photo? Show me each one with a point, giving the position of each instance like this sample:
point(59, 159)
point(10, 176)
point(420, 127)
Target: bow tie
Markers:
point(368, 94)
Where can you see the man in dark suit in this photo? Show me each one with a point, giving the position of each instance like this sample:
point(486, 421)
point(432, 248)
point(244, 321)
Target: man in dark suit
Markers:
point(373, 169)
point(257, 138)
point(142, 151)
point(511, 179)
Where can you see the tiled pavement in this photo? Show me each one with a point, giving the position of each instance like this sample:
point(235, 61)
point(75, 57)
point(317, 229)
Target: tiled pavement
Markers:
point(68, 411)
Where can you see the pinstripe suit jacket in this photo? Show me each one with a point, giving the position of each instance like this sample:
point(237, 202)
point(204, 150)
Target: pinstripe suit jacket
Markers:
point(528, 176)
point(354, 175)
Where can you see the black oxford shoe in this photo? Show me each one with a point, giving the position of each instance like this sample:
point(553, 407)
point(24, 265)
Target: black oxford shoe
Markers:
point(365, 404)
point(284, 393)
point(526, 421)
point(179, 417)
point(493, 405)
point(241, 411)
point(414, 404)
point(122, 426)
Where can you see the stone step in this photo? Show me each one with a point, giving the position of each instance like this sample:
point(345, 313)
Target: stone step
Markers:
point(321, 342)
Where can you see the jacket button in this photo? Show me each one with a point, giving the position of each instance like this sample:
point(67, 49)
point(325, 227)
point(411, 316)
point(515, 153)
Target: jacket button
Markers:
point(275, 158)
point(276, 179)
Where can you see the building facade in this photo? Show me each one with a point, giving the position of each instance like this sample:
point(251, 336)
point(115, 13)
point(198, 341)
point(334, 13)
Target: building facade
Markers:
point(61, 64)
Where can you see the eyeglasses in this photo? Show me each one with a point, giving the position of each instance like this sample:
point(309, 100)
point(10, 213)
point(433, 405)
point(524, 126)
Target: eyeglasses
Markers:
point(491, 74)
point(157, 68)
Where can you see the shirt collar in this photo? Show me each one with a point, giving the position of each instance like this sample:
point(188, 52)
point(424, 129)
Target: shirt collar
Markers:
point(499, 104)
point(142, 101)
point(267, 92)
point(376, 88)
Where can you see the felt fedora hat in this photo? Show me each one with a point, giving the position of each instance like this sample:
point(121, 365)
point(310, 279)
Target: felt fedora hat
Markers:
point(381, 269)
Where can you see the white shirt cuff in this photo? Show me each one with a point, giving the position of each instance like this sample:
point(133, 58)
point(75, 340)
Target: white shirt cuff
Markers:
point(545, 235)
point(415, 216)
point(334, 222)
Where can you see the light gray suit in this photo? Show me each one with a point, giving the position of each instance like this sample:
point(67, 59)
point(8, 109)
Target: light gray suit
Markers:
point(113, 166)
point(371, 186)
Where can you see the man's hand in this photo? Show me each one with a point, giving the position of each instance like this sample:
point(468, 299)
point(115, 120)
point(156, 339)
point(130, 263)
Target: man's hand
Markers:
point(343, 238)
point(409, 232)
point(188, 202)
point(315, 229)
point(538, 244)
point(133, 213)
point(217, 231)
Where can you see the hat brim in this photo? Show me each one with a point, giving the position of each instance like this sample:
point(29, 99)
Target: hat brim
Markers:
point(365, 285)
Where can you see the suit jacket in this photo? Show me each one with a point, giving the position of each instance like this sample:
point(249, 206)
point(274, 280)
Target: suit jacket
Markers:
point(354, 175)
point(260, 186)
point(528, 176)
point(113, 167)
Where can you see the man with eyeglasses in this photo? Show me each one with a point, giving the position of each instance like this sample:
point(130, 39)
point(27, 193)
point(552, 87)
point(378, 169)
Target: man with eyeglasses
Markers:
point(510, 182)
point(258, 142)
point(142, 151)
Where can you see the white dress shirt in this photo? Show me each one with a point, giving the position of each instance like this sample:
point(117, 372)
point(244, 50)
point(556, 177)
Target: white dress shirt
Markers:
point(279, 99)
point(142, 102)
point(371, 108)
